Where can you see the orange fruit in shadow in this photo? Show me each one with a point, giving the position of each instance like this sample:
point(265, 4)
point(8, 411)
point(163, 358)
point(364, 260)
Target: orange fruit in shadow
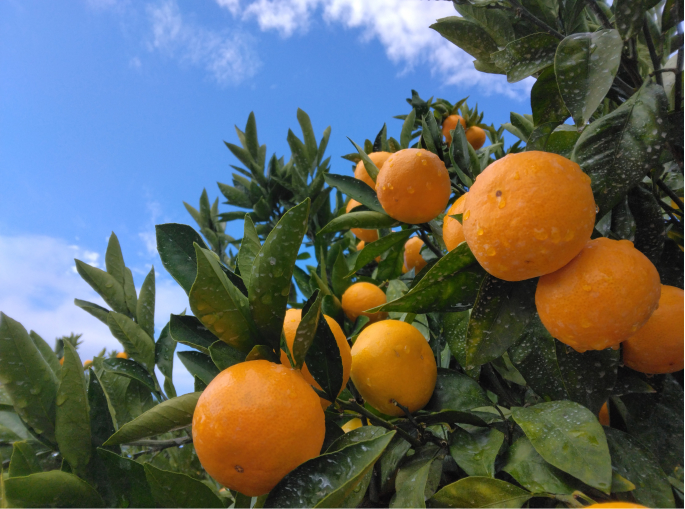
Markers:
point(449, 124)
point(475, 136)
point(377, 158)
point(360, 233)
point(452, 231)
point(412, 255)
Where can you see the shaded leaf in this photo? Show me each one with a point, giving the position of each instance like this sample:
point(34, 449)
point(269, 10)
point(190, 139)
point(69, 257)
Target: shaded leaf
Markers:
point(175, 247)
point(127, 479)
point(225, 356)
point(467, 35)
point(368, 220)
point(526, 56)
point(46, 352)
point(475, 451)
point(23, 461)
point(407, 129)
point(249, 249)
point(410, 483)
point(131, 369)
point(190, 331)
point(456, 391)
point(480, 492)
point(111, 291)
point(114, 259)
point(145, 308)
point(137, 344)
point(380, 246)
point(545, 99)
point(199, 365)
point(324, 361)
point(172, 489)
point(97, 311)
point(306, 329)
point(164, 358)
point(51, 489)
point(629, 17)
point(355, 189)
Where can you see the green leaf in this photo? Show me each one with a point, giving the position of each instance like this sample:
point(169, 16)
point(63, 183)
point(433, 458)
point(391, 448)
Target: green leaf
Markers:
point(137, 344)
point(629, 16)
point(27, 378)
point(619, 149)
point(339, 283)
point(145, 308)
point(390, 460)
point(356, 436)
point(633, 461)
point(114, 260)
point(97, 311)
point(249, 249)
point(51, 489)
point(369, 165)
point(308, 134)
point(23, 461)
point(380, 246)
point(456, 326)
point(46, 352)
point(168, 416)
point(475, 452)
point(568, 436)
point(367, 219)
point(497, 23)
point(172, 489)
point(219, 305)
point(235, 196)
point(526, 56)
point(467, 35)
point(410, 483)
point(449, 417)
point(585, 65)
point(355, 189)
point(553, 137)
point(199, 365)
point(545, 99)
point(449, 285)
point(324, 361)
point(261, 353)
point(130, 369)
point(327, 480)
point(480, 492)
point(175, 247)
point(101, 414)
point(225, 356)
point(407, 129)
point(456, 391)
point(164, 358)
point(111, 291)
point(72, 422)
point(499, 316)
point(650, 231)
point(190, 331)
point(127, 479)
point(130, 293)
point(272, 273)
point(306, 329)
point(532, 472)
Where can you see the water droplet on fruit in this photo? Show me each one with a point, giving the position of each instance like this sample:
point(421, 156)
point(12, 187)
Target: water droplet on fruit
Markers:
point(410, 190)
point(466, 215)
point(491, 251)
point(540, 233)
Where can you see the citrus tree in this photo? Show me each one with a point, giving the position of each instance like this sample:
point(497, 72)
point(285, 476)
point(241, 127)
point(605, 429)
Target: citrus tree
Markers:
point(457, 325)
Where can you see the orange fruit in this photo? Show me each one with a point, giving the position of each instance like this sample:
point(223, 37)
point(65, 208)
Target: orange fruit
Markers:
point(362, 296)
point(122, 355)
point(657, 347)
point(452, 231)
point(352, 424)
point(392, 360)
point(360, 246)
point(412, 255)
point(604, 415)
point(88, 363)
point(378, 158)
point(365, 235)
point(292, 320)
point(475, 136)
point(61, 361)
point(449, 124)
point(413, 186)
point(528, 214)
point(617, 504)
point(254, 423)
point(601, 298)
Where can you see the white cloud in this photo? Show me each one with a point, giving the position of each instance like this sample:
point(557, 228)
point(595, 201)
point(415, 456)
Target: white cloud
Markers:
point(148, 236)
point(228, 56)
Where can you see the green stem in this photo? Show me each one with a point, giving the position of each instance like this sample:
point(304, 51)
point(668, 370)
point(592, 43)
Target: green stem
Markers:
point(652, 51)
point(670, 193)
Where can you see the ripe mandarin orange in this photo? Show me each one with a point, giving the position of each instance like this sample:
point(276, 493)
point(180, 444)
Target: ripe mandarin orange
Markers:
point(88, 363)
point(601, 298)
point(528, 214)
point(361, 233)
point(412, 255)
point(475, 136)
point(122, 355)
point(603, 416)
point(657, 347)
point(293, 317)
point(352, 424)
point(449, 124)
point(452, 231)
point(61, 361)
point(392, 360)
point(413, 186)
point(362, 296)
point(237, 436)
point(378, 158)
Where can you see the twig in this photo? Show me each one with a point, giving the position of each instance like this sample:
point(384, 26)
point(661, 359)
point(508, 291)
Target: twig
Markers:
point(407, 413)
point(523, 12)
point(506, 423)
point(652, 51)
point(665, 69)
point(498, 385)
point(356, 407)
point(669, 210)
point(429, 243)
point(159, 445)
point(670, 193)
point(599, 13)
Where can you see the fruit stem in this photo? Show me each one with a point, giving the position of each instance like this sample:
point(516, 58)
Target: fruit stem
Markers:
point(356, 407)
point(429, 243)
point(407, 413)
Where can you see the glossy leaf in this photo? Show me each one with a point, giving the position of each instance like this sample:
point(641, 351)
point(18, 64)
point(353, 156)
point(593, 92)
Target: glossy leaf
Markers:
point(172, 489)
point(101, 415)
point(219, 305)
point(324, 361)
point(145, 308)
point(545, 99)
point(164, 359)
point(46, 352)
point(356, 436)
point(380, 246)
point(306, 329)
point(111, 291)
point(407, 128)
point(369, 165)
point(261, 353)
point(456, 391)
point(369, 220)
point(23, 461)
point(272, 273)
point(629, 16)
point(199, 365)
point(498, 318)
point(114, 260)
point(131, 369)
point(650, 230)
point(51, 489)
point(190, 331)
point(568, 436)
point(619, 149)
point(355, 189)
point(480, 492)
point(495, 22)
point(31, 384)
point(168, 416)
point(225, 356)
point(450, 417)
point(553, 137)
point(585, 65)
point(326, 480)
point(130, 293)
point(137, 344)
point(526, 56)
point(475, 451)
point(467, 35)
point(127, 479)
point(97, 311)
point(410, 483)
point(249, 249)
point(175, 247)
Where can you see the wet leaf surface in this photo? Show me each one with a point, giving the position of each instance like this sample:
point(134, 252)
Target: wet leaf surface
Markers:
point(480, 492)
point(175, 247)
point(127, 480)
point(137, 344)
point(410, 483)
point(171, 489)
point(475, 451)
point(456, 391)
point(51, 489)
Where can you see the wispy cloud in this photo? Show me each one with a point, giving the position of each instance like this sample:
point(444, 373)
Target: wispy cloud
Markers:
point(228, 56)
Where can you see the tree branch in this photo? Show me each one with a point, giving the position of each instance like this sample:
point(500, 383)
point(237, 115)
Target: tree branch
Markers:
point(652, 51)
point(670, 193)
point(429, 243)
point(156, 446)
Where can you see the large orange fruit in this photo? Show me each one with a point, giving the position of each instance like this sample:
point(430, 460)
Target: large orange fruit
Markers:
point(412, 255)
point(362, 296)
point(452, 231)
point(449, 124)
point(413, 186)
point(361, 233)
point(475, 136)
point(657, 347)
point(528, 214)
point(377, 158)
point(392, 360)
point(601, 298)
point(254, 423)
point(293, 317)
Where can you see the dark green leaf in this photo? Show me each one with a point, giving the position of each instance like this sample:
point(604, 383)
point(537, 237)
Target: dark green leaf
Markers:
point(333, 432)
point(390, 460)
point(306, 329)
point(467, 35)
point(164, 358)
point(410, 483)
point(97, 311)
point(101, 418)
point(46, 352)
point(114, 260)
point(407, 128)
point(650, 231)
point(356, 436)
point(249, 248)
point(380, 144)
point(480, 492)
point(261, 353)
point(199, 365)
point(137, 344)
point(475, 452)
point(127, 479)
point(111, 291)
point(172, 489)
point(495, 22)
point(554, 137)
point(526, 56)
point(369, 165)
point(456, 391)
point(130, 293)
point(235, 196)
point(299, 152)
point(51, 489)
point(190, 331)
point(380, 246)
point(367, 219)
point(355, 189)
point(449, 417)
point(175, 247)
point(339, 281)
point(629, 16)
point(225, 356)
point(23, 461)
point(324, 361)
point(545, 99)
point(145, 308)
point(131, 369)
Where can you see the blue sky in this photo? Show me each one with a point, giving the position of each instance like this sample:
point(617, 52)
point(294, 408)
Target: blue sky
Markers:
point(113, 112)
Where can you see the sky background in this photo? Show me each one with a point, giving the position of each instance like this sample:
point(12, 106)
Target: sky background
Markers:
point(114, 112)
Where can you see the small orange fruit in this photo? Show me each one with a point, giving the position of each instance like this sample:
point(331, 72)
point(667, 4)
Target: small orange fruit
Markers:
point(293, 317)
point(413, 186)
point(449, 124)
point(87, 364)
point(604, 415)
point(236, 437)
point(617, 504)
point(122, 355)
point(452, 231)
point(412, 255)
point(362, 296)
point(377, 158)
point(391, 360)
point(601, 298)
point(352, 424)
point(360, 246)
point(365, 235)
point(657, 347)
point(475, 136)
point(61, 361)
point(528, 214)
